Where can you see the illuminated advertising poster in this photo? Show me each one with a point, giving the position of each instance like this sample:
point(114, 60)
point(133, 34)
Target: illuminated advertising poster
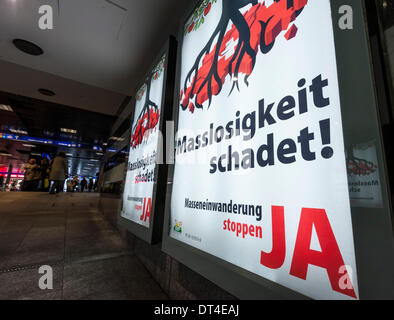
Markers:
point(140, 178)
point(260, 177)
point(364, 181)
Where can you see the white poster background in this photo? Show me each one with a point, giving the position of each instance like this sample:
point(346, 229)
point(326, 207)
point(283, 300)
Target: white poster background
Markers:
point(316, 184)
point(142, 190)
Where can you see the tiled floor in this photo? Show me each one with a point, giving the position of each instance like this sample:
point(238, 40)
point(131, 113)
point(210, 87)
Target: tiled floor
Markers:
point(68, 233)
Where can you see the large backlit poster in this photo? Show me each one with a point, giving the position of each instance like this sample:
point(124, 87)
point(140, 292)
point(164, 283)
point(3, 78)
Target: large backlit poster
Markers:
point(260, 176)
point(140, 178)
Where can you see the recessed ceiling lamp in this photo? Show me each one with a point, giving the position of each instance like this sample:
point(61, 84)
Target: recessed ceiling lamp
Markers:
point(6, 108)
point(29, 145)
point(46, 92)
point(28, 47)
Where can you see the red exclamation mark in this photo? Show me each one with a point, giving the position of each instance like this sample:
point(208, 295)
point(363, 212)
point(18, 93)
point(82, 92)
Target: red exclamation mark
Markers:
point(326, 152)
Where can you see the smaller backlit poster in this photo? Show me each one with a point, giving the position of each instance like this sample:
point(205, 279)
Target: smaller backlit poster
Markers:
point(141, 169)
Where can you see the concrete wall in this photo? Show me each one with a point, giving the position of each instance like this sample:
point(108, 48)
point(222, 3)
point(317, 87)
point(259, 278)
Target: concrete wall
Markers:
point(176, 280)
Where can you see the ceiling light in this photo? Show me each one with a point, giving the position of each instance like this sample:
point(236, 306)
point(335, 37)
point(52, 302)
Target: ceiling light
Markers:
point(28, 47)
point(5, 154)
point(29, 145)
point(6, 108)
point(99, 153)
point(65, 130)
point(46, 92)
